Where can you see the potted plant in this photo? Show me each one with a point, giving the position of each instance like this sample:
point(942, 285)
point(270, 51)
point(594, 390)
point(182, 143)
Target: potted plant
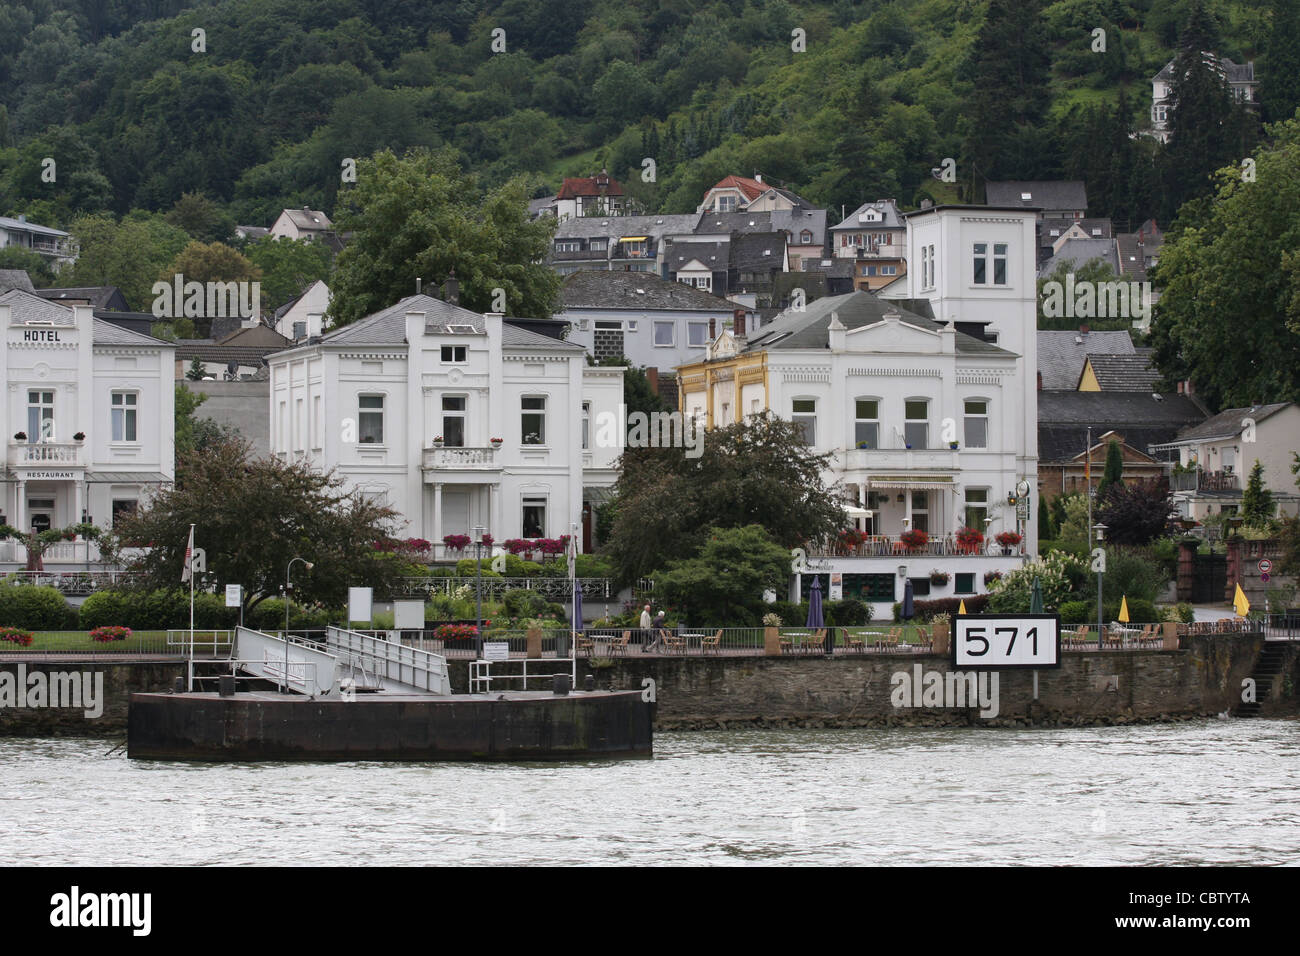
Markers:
point(1008, 540)
point(953, 445)
point(970, 540)
point(496, 442)
point(939, 578)
point(940, 631)
point(79, 436)
point(914, 539)
point(109, 633)
point(849, 539)
point(437, 441)
point(487, 540)
point(532, 438)
point(16, 635)
point(20, 436)
point(455, 542)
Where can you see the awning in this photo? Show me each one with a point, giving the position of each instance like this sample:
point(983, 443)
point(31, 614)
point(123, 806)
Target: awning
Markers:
point(597, 494)
point(916, 482)
point(128, 477)
point(634, 239)
point(853, 511)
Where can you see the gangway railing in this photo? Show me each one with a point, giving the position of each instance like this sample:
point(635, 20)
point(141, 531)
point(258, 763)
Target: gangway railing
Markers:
point(297, 665)
point(481, 676)
point(395, 666)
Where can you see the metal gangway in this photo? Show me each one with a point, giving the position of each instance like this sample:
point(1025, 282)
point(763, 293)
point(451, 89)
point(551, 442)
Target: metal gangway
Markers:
point(376, 664)
point(297, 665)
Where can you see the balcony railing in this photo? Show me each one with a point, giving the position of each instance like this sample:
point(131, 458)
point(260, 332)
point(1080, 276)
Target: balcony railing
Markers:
point(461, 459)
point(1200, 480)
point(887, 545)
point(45, 453)
point(579, 255)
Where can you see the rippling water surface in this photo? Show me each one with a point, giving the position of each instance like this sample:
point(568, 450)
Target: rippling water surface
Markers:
point(1213, 792)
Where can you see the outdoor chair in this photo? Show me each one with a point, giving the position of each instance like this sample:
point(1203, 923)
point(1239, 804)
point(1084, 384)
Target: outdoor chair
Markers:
point(852, 642)
point(585, 645)
point(888, 640)
point(816, 643)
point(711, 642)
point(619, 644)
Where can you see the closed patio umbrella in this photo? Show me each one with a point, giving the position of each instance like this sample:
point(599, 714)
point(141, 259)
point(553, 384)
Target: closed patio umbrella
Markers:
point(909, 611)
point(815, 620)
point(1036, 597)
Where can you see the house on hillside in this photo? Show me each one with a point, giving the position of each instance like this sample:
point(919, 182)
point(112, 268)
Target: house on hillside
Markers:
point(89, 408)
point(874, 238)
point(1216, 456)
point(597, 195)
point(304, 315)
point(1239, 78)
point(617, 243)
point(1061, 355)
point(404, 406)
point(304, 223)
point(57, 247)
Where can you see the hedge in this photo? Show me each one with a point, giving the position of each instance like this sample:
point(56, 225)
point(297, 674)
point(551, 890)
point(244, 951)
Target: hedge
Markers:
point(156, 610)
point(926, 610)
point(35, 608)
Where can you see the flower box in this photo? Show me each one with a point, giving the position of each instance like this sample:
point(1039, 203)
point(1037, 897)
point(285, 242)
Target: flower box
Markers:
point(1008, 539)
point(915, 539)
point(456, 632)
point(970, 540)
point(456, 542)
point(939, 578)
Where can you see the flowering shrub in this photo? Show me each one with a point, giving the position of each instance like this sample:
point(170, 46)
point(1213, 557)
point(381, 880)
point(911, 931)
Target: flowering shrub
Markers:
point(418, 545)
point(1008, 539)
point(914, 539)
point(1060, 574)
point(553, 545)
point(772, 620)
point(110, 632)
point(487, 540)
point(520, 545)
point(457, 632)
point(970, 540)
point(457, 542)
point(16, 635)
point(408, 546)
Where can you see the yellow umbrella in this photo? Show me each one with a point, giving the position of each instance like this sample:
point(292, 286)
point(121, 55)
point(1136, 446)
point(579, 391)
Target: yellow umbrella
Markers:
point(1239, 602)
point(961, 609)
point(1123, 609)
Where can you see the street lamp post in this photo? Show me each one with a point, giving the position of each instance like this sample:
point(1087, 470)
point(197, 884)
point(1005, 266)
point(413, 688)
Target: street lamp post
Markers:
point(478, 587)
point(287, 589)
point(1101, 566)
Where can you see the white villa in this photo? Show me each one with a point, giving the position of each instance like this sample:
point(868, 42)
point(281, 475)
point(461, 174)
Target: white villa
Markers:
point(89, 408)
point(405, 405)
point(928, 404)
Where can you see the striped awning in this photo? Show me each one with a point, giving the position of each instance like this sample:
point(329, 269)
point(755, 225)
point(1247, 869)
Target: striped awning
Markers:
point(634, 239)
point(915, 482)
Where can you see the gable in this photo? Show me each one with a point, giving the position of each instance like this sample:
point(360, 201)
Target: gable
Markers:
point(892, 336)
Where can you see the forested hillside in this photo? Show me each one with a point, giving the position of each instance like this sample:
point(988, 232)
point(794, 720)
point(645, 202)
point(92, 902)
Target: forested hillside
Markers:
point(843, 101)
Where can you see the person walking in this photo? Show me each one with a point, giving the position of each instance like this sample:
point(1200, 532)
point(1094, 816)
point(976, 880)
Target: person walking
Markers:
point(647, 635)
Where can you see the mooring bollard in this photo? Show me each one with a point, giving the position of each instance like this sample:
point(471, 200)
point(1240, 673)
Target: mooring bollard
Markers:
point(589, 682)
point(226, 685)
point(179, 686)
point(560, 685)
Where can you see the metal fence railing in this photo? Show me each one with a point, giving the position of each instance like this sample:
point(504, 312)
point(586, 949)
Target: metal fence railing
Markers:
point(80, 644)
point(555, 589)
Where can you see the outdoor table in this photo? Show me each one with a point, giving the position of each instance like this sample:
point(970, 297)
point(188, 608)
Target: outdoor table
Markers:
point(687, 638)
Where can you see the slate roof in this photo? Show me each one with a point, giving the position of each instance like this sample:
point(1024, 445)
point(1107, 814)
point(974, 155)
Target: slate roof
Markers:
point(253, 232)
point(808, 329)
point(733, 223)
point(538, 206)
point(1124, 373)
point(388, 327)
point(15, 279)
point(833, 267)
point(1045, 227)
point(758, 251)
point(636, 290)
point(308, 219)
point(25, 306)
point(798, 201)
point(1234, 72)
point(1065, 416)
point(588, 227)
point(1043, 194)
point(1227, 423)
point(888, 210)
point(1060, 357)
point(106, 297)
point(796, 221)
point(715, 255)
point(205, 350)
point(17, 225)
point(1079, 252)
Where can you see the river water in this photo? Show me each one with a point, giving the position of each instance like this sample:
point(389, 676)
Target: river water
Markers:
point(1208, 792)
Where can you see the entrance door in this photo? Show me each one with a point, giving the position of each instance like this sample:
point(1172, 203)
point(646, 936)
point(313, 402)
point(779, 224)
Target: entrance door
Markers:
point(41, 511)
point(455, 511)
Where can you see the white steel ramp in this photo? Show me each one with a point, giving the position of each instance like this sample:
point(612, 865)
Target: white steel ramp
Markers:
point(300, 666)
point(377, 664)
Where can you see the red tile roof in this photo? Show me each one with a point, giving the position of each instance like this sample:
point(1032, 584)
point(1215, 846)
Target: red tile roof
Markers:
point(589, 186)
point(750, 188)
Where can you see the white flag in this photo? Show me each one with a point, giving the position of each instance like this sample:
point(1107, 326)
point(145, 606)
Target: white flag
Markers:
point(189, 558)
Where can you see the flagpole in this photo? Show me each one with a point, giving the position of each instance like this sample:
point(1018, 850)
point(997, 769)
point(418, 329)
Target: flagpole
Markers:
point(573, 603)
point(189, 557)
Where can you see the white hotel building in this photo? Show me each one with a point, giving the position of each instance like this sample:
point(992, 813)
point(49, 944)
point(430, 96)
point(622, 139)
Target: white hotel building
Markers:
point(927, 404)
point(403, 405)
point(67, 373)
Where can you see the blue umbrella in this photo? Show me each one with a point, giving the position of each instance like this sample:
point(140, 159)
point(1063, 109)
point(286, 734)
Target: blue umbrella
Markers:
point(815, 604)
point(909, 612)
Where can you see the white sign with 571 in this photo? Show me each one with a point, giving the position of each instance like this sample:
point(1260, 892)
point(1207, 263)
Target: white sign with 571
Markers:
point(985, 641)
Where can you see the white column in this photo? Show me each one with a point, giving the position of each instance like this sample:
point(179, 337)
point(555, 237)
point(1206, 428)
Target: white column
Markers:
point(78, 500)
point(20, 507)
point(437, 512)
point(494, 510)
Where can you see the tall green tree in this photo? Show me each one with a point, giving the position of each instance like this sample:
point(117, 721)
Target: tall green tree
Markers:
point(201, 218)
point(288, 267)
point(1009, 70)
point(1256, 500)
point(1279, 84)
point(758, 471)
point(252, 515)
point(421, 216)
point(129, 254)
point(1207, 129)
point(1236, 332)
point(723, 586)
point(1113, 472)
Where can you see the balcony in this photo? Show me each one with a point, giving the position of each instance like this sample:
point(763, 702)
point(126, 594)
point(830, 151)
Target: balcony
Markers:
point(580, 255)
point(45, 454)
point(1199, 480)
point(944, 459)
point(460, 459)
point(892, 546)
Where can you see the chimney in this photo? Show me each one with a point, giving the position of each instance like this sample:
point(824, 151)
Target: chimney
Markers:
point(418, 283)
point(652, 379)
point(758, 177)
point(451, 289)
point(713, 328)
point(738, 322)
